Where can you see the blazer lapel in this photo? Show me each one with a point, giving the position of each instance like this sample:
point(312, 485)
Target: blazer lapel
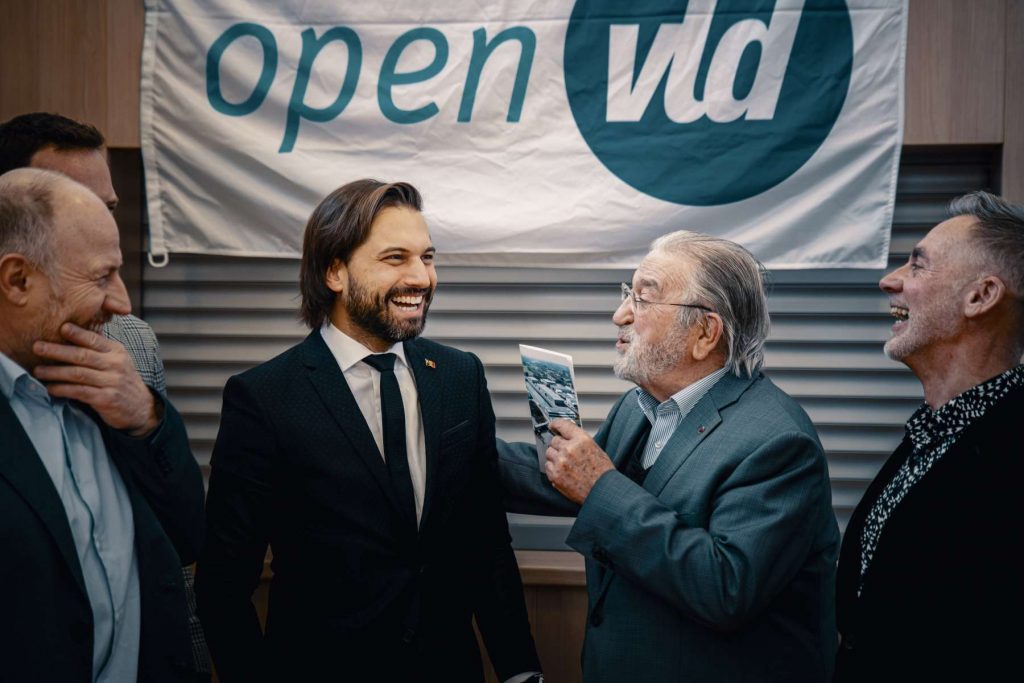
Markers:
point(703, 419)
point(695, 427)
point(20, 465)
point(329, 383)
point(430, 383)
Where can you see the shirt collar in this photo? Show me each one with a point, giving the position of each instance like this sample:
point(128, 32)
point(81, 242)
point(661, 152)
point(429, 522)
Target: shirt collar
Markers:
point(9, 374)
point(927, 427)
point(347, 351)
point(684, 399)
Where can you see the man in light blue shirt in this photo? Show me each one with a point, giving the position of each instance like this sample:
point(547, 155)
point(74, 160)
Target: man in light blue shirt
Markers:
point(100, 498)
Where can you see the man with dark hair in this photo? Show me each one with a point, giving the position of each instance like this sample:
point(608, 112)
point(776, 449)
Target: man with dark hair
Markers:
point(365, 457)
point(703, 506)
point(78, 150)
point(101, 501)
point(928, 585)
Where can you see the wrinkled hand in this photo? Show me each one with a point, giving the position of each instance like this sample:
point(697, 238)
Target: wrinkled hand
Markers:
point(574, 461)
point(98, 372)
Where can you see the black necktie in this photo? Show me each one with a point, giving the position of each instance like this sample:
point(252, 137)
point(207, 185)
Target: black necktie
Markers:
point(394, 431)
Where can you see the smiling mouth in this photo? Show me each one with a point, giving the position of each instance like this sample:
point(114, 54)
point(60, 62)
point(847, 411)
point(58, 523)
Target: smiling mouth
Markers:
point(408, 302)
point(899, 312)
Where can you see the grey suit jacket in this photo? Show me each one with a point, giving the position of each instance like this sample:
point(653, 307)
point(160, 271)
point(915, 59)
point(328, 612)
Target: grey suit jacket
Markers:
point(721, 567)
point(138, 339)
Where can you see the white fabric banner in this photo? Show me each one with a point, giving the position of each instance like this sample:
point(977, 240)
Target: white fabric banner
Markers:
point(553, 133)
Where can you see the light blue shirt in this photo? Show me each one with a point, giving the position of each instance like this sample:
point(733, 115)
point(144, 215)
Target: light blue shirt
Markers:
point(70, 446)
point(666, 416)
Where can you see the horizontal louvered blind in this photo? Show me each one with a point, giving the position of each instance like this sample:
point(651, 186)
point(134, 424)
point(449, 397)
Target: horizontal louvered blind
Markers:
point(216, 317)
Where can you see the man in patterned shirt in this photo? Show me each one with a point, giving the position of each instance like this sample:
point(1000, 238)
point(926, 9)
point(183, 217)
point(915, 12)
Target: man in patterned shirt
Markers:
point(925, 580)
point(78, 150)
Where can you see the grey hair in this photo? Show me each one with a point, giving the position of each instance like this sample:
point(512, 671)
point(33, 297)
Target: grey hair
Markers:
point(730, 281)
point(26, 215)
point(999, 232)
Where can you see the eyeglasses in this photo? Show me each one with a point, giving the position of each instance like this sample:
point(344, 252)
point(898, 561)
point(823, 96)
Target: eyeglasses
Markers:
point(628, 293)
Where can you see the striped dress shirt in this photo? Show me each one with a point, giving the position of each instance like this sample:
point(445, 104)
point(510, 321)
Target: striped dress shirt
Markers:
point(666, 416)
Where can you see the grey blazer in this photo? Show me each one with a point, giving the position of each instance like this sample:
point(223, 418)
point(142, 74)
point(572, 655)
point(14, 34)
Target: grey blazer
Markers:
point(722, 566)
point(138, 339)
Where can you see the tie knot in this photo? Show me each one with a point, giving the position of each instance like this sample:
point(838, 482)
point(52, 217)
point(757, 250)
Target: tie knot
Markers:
point(381, 362)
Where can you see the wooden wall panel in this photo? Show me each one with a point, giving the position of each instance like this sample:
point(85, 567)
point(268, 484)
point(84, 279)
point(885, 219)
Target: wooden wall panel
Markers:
point(955, 72)
point(82, 58)
point(1013, 132)
point(124, 19)
point(19, 68)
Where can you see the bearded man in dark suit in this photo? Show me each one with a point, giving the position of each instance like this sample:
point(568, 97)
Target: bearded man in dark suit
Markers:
point(365, 457)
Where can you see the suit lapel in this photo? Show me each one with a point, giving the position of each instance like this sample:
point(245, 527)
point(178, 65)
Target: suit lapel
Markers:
point(430, 390)
point(701, 421)
point(20, 465)
point(328, 381)
point(695, 427)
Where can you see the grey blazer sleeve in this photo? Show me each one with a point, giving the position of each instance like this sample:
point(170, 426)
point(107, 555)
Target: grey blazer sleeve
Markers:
point(724, 570)
point(140, 341)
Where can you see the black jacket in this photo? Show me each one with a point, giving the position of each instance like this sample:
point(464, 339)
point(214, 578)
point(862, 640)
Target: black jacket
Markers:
point(357, 594)
point(46, 633)
point(942, 595)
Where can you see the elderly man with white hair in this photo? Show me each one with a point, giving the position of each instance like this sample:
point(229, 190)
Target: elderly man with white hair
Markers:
point(703, 505)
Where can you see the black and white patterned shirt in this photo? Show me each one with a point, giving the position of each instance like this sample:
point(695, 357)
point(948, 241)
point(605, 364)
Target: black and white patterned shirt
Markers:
point(931, 433)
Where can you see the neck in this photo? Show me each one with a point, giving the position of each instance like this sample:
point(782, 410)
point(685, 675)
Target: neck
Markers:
point(374, 343)
point(671, 383)
point(17, 352)
point(950, 371)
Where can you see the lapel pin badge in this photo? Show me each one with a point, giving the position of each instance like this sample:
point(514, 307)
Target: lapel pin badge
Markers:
point(430, 364)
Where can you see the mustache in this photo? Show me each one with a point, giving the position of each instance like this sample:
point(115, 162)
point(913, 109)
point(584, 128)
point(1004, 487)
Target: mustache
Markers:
point(427, 292)
point(626, 333)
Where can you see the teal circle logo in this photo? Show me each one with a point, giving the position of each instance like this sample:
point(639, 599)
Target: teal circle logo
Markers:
point(706, 102)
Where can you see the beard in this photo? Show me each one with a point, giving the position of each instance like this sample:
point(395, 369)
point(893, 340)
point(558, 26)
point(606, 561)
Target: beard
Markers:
point(373, 314)
point(642, 362)
point(924, 327)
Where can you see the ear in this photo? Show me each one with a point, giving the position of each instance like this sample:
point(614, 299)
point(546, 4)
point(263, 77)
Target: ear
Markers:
point(17, 277)
point(336, 277)
point(983, 295)
point(709, 334)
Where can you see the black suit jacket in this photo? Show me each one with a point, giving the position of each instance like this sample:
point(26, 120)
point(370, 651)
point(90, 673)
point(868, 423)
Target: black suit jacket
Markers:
point(942, 595)
point(357, 594)
point(47, 631)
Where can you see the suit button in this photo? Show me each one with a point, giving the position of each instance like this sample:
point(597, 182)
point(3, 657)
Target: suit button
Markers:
point(600, 555)
point(409, 635)
point(596, 618)
point(848, 642)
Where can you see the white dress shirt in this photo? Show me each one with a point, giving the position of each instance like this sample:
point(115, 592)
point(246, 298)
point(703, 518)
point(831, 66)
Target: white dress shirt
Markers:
point(364, 382)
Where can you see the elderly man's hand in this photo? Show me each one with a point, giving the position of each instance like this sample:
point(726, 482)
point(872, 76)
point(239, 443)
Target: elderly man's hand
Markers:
point(98, 372)
point(574, 461)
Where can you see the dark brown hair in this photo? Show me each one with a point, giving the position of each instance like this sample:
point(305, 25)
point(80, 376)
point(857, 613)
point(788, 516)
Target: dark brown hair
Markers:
point(336, 228)
point(23, 136)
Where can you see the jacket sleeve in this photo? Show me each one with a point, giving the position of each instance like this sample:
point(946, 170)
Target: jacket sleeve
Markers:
point(237, 523)
point(167, 475)
point(498, 602)
point(726, 570)
point(525, 488)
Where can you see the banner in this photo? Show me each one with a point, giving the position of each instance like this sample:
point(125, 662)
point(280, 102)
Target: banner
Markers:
point(555, 133)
